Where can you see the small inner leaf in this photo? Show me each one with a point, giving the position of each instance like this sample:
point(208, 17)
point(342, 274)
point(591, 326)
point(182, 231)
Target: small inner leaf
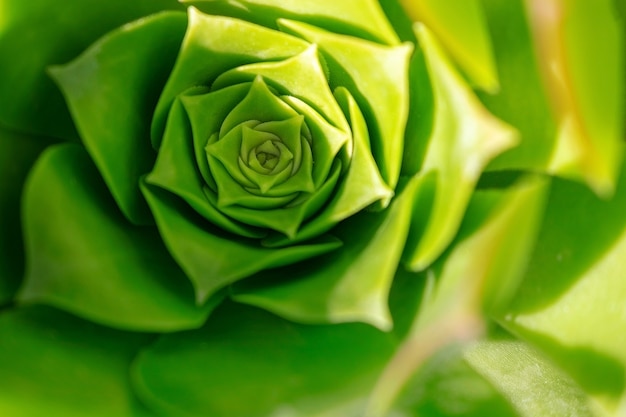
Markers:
point(291, 132)
point(301, 76)
point(260, 104)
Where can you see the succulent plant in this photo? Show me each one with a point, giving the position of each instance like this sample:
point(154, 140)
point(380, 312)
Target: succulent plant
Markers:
point(306, 208)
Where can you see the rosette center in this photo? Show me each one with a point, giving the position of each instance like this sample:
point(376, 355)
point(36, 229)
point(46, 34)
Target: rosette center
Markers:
point(263, 149)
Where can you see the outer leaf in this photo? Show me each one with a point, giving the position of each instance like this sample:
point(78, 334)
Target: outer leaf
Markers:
point(17, 155)
point(84, 257)
point(447, 386)
point(247, 362)
point(581, 51)
point(57, 365)
point(571, 303)
point(497, 376)
point(351, 284)
point(421, 113)
point(532, 384)
point(478, 274)
point(464, 138)
point(112, 90)
point(521, 101)
point(361, 18)
point(211, 259)
point(382, 91)
point(460, 24)
point(47, 31)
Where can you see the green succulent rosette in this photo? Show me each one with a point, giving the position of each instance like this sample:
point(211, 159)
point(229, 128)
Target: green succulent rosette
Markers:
point(312, 208)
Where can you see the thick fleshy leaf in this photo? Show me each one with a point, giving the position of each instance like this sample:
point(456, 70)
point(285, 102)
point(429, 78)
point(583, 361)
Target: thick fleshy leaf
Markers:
point(206, 112)
point(478, 274)
point(328, 142)
point(57, 365)
point(447, 386)
point(301, 76)
point(351, 284)
point(84, 257)
point(283, 223)
point(501, 226)
point(465, 137)
point(247, 362)
point(112, 90)
point(532, 384)
point(17, 155)
point(214, 45)
point(361, 186)
point(176, 171)
point(421, 114)
point(36, 104)
point(581, 51)
point(521, 101)
point(497, 376)
point(382, 91)
point(571, 302)
point(361, 18)
point(212, 259)
point(460, 24)
point(261, 104)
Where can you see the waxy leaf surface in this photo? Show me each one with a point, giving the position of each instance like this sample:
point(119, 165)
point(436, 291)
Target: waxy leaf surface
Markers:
point(85, 257)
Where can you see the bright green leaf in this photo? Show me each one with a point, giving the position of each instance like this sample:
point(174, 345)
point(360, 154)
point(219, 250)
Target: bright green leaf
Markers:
point(477, 275)
point(521, 101)
point(350, 284)
point(301, 76)
point(17, 155)
point(533, 385)
point(112, 90)
point(83, 256)
point(571, 302)
point(361, 18)
point(213, 259)
point(57, 365)
point(39, 33)
point(176, 171)
point(447, 386)
point(460, 24)
point(213, 45)
point(247, 362)
point(464, 139)
point(581, 51)
point(382, 92)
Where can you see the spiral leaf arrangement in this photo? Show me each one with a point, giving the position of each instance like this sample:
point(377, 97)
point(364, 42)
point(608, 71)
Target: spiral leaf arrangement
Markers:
point(311, 208)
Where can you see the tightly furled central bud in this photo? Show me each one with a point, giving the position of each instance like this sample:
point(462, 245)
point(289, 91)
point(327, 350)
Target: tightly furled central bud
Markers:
point(265, 157)
point(264, 146)
point(271, 152)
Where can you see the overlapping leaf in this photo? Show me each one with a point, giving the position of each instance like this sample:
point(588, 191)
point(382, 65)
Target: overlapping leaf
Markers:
point(17, 155)
point(83, 256)
point(49, 32)
point(112, 99)
point(58, 365)
point(464, 138)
